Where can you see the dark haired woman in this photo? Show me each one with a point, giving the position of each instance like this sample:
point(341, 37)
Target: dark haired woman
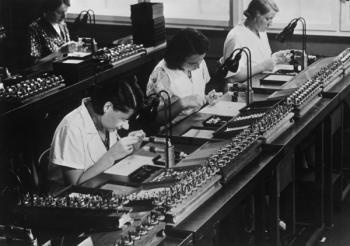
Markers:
point(49, 36)
point(183, 73)
point(86, 142)
point(251, 33)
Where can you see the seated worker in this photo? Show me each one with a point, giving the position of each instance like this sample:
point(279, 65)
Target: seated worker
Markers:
point(49, 36)
point(251, 33)
point(86, 142)
point(183, 73)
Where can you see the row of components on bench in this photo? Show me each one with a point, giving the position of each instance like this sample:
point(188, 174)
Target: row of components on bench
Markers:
point(22, 89)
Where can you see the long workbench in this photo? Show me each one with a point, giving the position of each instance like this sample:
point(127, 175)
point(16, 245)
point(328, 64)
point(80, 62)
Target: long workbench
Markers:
point(321, 128)
point(278, 171)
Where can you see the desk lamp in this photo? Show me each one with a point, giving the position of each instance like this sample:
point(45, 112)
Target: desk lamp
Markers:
point(221, 72)
point(87, 17)
point(233, 64)
point(288, 31)
point(169, 148)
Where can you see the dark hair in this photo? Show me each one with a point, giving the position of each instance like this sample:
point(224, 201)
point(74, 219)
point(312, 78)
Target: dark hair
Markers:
point(260, 6)
point(52, 5)
point(185, 43)
point(122, 94)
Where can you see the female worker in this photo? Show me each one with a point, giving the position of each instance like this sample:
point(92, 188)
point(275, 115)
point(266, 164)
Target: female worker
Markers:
point(49, 36)
point(182, 73)
point(251, 33)
point(86, 142)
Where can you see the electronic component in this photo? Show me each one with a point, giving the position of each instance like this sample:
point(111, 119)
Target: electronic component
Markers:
point(309, 93)
point(274, 122)
point(333, 72)
point(138, 176)
point(171, 176)
point(73, 212)
point(24, 90)
point(216, 121)
point(268, 123)
point(237, 124)
point(118, 55)
point(305, 97)
point(176, 200)
point(236, 154)
point(142, 232)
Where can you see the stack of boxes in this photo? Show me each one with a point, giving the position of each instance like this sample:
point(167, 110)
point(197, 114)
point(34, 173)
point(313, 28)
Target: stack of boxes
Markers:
point(148, 23)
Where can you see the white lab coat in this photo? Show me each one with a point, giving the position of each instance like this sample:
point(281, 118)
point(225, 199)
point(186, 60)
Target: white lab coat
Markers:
point(241, 36)
point(76, 143)
point(177, 83)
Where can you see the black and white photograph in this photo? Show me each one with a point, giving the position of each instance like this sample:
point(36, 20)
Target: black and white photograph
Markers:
point(174, 122)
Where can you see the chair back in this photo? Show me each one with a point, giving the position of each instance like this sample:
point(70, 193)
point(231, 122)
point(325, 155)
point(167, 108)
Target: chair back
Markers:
point(42, 170)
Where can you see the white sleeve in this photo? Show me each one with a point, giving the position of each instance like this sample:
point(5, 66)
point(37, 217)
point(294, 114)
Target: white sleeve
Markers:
point(206, 75)
point(67, 147)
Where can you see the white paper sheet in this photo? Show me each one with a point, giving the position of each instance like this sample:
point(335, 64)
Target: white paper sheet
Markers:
point(71, 61)
point(223, 108)
point(199, 133)
point(278, 77)
point(78, 54)
point(283, 67)
point(128, 165)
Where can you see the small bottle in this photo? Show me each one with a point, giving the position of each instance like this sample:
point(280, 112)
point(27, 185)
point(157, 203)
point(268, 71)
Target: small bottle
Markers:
point(305, 63)
point(235, 89)
point(230, 89)
point(170, 155)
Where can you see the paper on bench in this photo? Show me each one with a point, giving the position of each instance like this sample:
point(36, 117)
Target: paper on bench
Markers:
point(223, 108)
point(128, 165)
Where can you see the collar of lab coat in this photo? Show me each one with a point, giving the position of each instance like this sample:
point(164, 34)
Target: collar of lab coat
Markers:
point(90, 126)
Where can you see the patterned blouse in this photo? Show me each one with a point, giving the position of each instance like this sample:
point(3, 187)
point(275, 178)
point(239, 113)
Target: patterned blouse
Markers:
point(44, 39)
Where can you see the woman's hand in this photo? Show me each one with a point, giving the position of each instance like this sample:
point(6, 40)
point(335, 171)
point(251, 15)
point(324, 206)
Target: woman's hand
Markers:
point(124, 147)
point(193, 101)
point(281, 57)
point(68, 47)
point(212, 97)
point(140, 135)
point(267, 65)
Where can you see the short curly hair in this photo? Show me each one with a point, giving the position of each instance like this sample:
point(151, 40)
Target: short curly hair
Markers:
point(185, 43)
point(124, 95)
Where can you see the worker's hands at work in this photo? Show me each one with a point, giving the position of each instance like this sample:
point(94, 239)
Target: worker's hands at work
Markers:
point(68, 47)
point(124, 147)
point(212, 97)
point(140, 135)
point(279, 57)
point(282, 57)
point(193, 101)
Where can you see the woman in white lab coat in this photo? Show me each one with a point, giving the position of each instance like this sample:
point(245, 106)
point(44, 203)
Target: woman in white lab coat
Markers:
point(86, 142)
point(251, 33)
point(183, 74)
